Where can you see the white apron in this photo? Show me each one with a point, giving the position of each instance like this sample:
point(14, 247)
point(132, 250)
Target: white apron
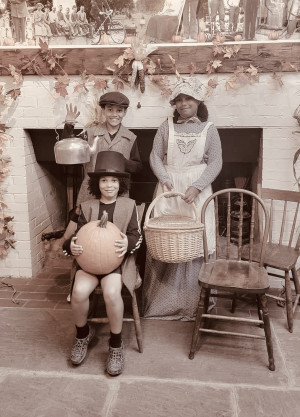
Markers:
point(185, 153)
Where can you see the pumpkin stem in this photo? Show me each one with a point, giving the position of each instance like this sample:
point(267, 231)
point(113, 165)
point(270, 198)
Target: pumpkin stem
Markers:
point(103, 220)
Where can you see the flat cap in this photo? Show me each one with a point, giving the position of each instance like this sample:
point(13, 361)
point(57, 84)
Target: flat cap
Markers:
point(115, 98)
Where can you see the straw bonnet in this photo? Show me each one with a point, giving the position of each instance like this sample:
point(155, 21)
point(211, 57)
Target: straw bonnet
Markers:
point(189, 86)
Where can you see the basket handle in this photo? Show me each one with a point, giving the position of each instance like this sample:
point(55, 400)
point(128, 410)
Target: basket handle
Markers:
point(170, 193)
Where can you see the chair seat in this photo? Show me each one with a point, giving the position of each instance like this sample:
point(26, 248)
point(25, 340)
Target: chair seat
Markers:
point(276, 256)
point(234, 276)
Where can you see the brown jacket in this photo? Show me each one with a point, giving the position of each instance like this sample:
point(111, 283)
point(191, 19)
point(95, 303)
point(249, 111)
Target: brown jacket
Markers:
point(124, 142)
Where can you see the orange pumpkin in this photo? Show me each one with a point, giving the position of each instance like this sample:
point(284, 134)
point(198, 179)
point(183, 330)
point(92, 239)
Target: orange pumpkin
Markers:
point(201, 37)
point(104, 39)
point(238, 38)
point(98, 241)
point(176, 38)
point(273, 36)
point(31, 42)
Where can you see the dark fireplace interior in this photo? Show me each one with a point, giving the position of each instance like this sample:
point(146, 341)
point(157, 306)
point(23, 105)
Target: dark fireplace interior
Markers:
point(241, 149)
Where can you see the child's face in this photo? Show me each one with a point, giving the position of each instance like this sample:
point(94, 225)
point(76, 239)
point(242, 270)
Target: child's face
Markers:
point(109, 187)
point(186, 106)
point(114, 114)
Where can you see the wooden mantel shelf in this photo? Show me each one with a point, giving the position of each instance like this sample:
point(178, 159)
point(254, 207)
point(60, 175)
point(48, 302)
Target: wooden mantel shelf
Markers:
point(266, 55)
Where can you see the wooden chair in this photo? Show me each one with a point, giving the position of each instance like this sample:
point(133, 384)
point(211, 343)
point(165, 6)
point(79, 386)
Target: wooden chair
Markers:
point(229, 274)
point(135, 311)
point(282, 249)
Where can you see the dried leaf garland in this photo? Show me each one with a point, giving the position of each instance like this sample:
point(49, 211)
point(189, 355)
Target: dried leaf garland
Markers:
point(6, 229)
point(120, 76)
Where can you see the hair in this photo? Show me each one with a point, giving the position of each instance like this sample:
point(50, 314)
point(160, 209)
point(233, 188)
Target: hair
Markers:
point(202, 113)
point(93, 185)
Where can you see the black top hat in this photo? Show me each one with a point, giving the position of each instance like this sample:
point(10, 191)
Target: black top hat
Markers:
point(110, 163)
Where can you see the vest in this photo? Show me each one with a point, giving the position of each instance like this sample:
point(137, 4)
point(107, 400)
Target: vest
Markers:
point(121, 218)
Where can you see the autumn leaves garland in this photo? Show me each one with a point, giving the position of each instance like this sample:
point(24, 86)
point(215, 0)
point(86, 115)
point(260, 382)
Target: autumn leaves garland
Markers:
point(6, 230)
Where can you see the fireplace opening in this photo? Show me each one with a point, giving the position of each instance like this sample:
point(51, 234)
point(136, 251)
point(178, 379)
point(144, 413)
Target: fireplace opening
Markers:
point(241, 149)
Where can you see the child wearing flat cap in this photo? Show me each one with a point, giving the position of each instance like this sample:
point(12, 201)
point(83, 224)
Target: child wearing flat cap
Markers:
point(113, 136)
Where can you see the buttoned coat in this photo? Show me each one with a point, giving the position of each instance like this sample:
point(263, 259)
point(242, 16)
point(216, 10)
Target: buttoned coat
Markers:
point(123, 143)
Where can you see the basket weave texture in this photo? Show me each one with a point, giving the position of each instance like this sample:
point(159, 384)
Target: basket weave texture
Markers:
point(173, 239)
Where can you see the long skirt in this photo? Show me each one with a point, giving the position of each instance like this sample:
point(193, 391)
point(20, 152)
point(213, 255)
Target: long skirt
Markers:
point(171, 291)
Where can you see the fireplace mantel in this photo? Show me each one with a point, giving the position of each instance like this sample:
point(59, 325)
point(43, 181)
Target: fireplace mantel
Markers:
point(268, 56)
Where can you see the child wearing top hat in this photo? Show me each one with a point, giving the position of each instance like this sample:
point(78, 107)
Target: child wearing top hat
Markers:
point(106, 184)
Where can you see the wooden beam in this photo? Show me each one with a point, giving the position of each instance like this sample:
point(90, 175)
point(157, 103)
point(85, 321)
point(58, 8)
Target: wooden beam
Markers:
point(267, 56)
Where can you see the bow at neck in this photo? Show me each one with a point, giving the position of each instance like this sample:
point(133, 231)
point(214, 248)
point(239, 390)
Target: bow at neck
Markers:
point(192, 119)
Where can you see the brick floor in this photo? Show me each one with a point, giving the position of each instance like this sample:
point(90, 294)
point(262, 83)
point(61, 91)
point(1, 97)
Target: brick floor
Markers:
point(48, 289)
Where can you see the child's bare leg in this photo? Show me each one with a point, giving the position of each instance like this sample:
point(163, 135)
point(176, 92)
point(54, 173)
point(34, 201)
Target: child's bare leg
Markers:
point(111, 286)
point(84, 285)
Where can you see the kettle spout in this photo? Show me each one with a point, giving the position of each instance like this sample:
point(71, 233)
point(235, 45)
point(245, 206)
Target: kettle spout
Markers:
point(94, 145)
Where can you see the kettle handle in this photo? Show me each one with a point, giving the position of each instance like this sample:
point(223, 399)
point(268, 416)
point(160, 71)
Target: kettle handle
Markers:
point(83, 133)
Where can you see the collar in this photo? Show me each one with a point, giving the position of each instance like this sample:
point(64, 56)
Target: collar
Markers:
point(192, 119)
point(100, 130)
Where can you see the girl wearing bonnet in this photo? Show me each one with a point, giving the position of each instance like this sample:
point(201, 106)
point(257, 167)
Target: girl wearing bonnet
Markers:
point(186, 157)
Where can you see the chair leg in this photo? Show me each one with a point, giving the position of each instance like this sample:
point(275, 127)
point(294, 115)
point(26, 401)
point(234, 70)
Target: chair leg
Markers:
point(267, 328)
point(233, 303)
point(206, 301)
point(92, 306)
point(197, 323)
point(296, 280)
point(297, 289)
point(259, 309)
point(288, 301)
point(137, 323)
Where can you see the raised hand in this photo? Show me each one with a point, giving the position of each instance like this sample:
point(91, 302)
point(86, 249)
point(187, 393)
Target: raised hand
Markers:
point(72, 113)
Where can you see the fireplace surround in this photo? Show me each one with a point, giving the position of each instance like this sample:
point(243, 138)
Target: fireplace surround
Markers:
point(36, 191)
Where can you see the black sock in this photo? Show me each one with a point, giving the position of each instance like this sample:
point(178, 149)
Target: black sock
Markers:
point(115, 340)
point(82, 332)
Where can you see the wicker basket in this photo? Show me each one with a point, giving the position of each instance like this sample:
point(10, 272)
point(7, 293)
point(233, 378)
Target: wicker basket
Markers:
point(173, 239)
